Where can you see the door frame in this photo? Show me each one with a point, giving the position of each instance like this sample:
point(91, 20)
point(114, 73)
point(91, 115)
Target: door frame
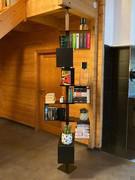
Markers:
point(38, 53)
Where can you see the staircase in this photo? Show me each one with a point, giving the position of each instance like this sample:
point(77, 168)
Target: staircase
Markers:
point(11, 14)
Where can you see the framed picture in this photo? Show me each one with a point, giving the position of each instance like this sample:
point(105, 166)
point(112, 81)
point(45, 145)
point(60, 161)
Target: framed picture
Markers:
point(67, 76)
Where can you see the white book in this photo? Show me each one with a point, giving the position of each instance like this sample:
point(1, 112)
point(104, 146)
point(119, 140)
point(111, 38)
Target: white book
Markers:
point(77, 40)
point(88, 95)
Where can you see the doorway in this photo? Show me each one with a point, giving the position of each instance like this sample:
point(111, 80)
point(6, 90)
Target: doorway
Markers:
point(48, 81)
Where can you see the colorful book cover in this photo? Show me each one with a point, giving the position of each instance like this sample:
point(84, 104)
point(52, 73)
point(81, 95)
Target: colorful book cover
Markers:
point(88, 40)
point(77, 40)
point(74, 40)
point(65, 77)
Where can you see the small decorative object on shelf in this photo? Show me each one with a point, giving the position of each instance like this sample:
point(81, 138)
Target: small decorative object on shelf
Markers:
point(84, 75)
point(50, 98)
point(67, 76)
point(66, 136)
point(62, 99)
point(84, 114)
point(83, 24)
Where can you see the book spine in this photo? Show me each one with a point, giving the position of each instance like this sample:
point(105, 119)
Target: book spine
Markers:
point(46, 113)
point(84, 40)
point(74, 40)
point(77, 40)
point(88, 95)
point(81, 40)
point(70, 40)
point(70, 95)
point(88, 40)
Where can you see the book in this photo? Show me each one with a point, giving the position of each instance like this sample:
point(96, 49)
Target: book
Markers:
point(87, 40)
point(63, 41)
point(65, 77)
point(81, 94)
point(84, 40)
point(81, 40)
point(70, 40)
point(77, 40)
point(74, 40)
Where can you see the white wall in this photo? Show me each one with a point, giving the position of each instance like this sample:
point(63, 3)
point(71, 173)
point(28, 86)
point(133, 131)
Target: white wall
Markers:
point(119, 22)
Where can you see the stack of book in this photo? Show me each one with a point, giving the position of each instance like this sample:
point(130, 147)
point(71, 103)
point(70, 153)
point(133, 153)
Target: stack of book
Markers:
point(82, 131)
point(50, 98)
point(79, 40)
point(81, 94)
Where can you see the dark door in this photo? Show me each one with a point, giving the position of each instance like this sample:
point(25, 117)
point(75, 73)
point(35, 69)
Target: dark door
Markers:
point(131, 124)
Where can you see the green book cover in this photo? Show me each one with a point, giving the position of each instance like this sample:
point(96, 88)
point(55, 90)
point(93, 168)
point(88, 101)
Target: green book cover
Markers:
point(74, 40)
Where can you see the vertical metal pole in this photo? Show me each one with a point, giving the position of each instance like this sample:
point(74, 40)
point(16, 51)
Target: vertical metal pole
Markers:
point(67, 107)
point(67, 19)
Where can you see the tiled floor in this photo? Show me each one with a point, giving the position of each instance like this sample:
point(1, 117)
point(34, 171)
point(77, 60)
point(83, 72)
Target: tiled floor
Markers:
point(29, 155)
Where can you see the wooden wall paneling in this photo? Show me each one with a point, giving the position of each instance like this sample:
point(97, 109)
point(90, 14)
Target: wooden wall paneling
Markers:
point(49, 80)
point(17, 86)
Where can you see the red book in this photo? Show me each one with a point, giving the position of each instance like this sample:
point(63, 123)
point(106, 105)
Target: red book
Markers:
point(88, 40)
point(65, 77)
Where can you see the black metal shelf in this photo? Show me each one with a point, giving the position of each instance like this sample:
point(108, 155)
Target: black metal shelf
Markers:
point(74, 85)
point(75, 30)
point(65, 103)
point(83, 122)
point(71, 119)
